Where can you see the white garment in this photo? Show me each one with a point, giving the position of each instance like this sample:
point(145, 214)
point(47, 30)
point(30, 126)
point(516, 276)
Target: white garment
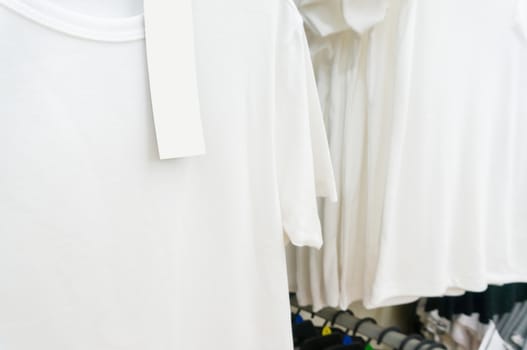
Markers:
point(468, 332)
point(433, 176)
point(103, 8)
point(333, 276)
point(327, 17)
point(461, 333)
point(453, 212)
point(313, 273)
point(102, 245)
point(492, 340)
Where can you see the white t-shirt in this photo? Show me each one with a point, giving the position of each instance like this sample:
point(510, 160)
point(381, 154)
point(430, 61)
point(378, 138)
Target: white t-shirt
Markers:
point(432, 180)
point(454, 208)
point(104, 246)
point(333, 276)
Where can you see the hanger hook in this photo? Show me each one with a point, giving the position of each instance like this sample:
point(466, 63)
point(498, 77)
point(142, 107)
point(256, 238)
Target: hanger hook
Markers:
point(430, 344)
point(408, 338)
point(335, 316)
point(386, 331)
point(361, 322)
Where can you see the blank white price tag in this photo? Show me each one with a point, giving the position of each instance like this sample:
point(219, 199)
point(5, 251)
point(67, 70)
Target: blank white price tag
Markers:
point(169, 28)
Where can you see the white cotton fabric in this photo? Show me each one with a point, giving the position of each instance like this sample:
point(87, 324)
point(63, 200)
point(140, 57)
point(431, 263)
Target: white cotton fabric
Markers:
point(313, 273)
point(333, 276)
point(102, 245)
point(432, 185)
point(493, 339)
point(454, 207)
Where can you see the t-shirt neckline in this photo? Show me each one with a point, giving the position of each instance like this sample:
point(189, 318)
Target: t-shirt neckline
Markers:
point(109, 29)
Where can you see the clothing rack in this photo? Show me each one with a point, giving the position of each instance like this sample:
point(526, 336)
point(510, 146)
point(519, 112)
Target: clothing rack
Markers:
point(389, 336)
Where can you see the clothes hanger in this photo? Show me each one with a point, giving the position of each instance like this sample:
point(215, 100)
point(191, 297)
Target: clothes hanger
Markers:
point(328, 327)
point(360, 323)
point(429, 344)
point(346, 342)
point(386, 331)
point(334, 320)
point(326, 337)
point(296, 318)
point(355, 346)
point(322, 342)
point(352, 342)
point(303, 329)
point(425, 343)
point(367, 345)
point(408, 338)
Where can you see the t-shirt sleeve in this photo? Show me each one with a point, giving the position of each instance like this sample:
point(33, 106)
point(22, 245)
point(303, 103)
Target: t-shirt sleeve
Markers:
point(324, 176)
point(301, 151)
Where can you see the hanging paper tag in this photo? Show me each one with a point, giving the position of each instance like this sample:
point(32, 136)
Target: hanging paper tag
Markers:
point(326, 330)
point(169, 30)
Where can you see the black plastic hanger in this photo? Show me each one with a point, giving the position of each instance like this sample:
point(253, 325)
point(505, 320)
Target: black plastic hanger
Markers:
point(360, 323)
point(354, 346)
point(386, 331)
point(429, 344)
point(357, 343)
point(322, 342)
point(335, 317)
point(304, 331)
point(408, 338)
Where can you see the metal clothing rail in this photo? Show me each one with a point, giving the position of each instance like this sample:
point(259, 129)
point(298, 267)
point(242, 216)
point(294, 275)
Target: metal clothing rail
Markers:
point(389, 336)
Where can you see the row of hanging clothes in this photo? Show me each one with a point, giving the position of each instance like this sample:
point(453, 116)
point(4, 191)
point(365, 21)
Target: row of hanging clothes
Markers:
point(426, 116)
point(332, 329)
point(493, 319)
